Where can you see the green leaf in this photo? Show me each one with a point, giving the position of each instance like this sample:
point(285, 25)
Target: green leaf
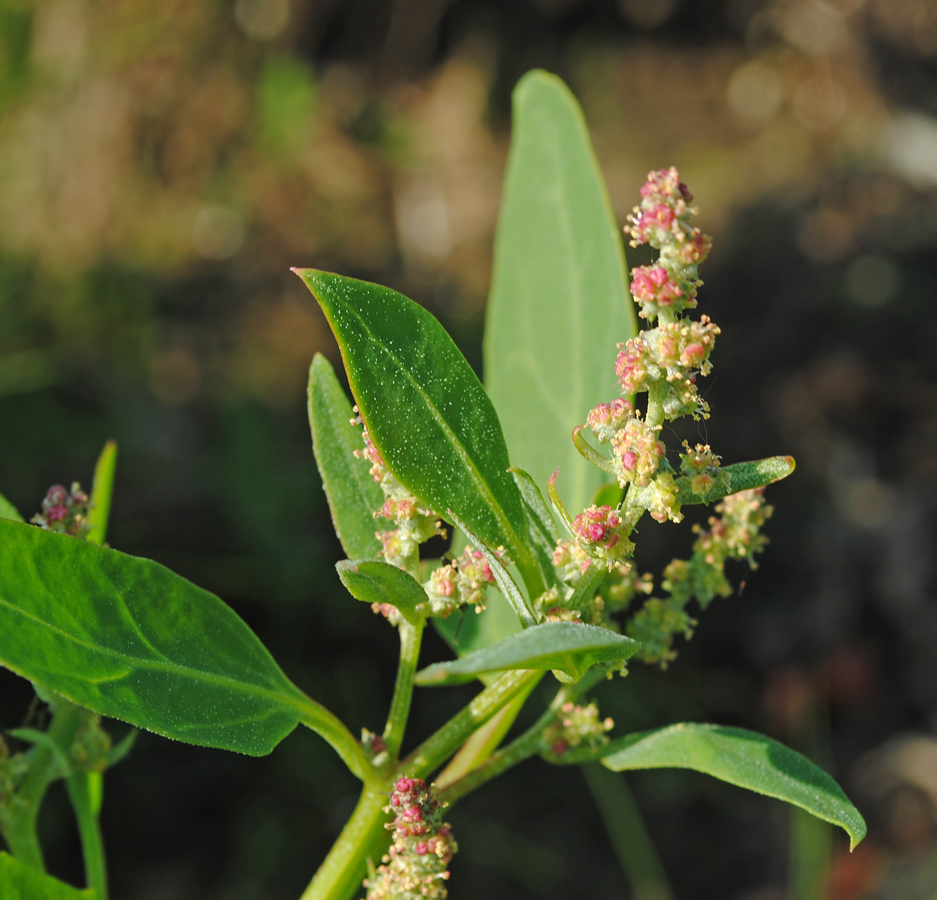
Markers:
point(351, 490)
point(21, 882)
point(742, 758)
point(566, 647)
point(559, 301)
point(376, 581)
point(738, 477)
point(102, 491)
point(127, 638)
point(502, 576)
point(541, 525)
point(9, 511)
point(425, 410)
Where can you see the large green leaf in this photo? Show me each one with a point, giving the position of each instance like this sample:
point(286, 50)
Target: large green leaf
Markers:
point(351, 490)
point(8, 510)
point(128, 638)
point(742, 758)
point(559, 301)
point(425, 410)
point(566, 647)
point(21, 882)
point(376, 581)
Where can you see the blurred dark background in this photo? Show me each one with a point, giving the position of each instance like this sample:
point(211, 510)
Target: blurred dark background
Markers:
point(163, 164)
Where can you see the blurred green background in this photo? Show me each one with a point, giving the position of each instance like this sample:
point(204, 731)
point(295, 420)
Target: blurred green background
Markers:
point(162, 165)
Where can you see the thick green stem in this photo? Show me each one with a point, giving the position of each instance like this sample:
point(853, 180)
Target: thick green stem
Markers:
point(363, 837)
point(410, 638)
point(440, 746)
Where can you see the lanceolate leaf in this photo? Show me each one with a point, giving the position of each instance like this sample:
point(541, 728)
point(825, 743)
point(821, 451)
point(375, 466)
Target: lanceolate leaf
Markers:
point(565, 647)
point(102, 490)
point(8, 510)
point(559, 301)
point(376, 581)
point(351, 490)
point(541, 527)
point(743, 758)
point(128, 638)
point(502, 576)
point(425, 410)
point(21, 882)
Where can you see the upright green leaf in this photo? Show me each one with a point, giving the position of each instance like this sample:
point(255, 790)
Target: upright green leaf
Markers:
point(128, 638)
point(742, 758)
point(351, 490)
point(21, 882)
point(102, 490)
point(8, 510)
point(425, 410)
point(559, 300)
point(566, 647)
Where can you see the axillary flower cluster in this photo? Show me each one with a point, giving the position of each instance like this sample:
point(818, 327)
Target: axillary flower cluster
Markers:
point(662, 361)
point(416, 867)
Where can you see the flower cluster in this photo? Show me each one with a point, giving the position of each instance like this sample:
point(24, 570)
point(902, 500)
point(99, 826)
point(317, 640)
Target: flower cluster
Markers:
point(413, 523)
point(64, 511)
point(599, 530)
point(461, 583)
point(416, 866)
point(734, 533)
point(663, 221)
point(575, 725)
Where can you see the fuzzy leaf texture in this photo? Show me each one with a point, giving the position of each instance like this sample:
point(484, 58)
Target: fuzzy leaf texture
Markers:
point(425, 409)
point(351, 491)
point(566, 647)
point(376, 581)
point(21, 882)
point(742, 758)
point(127, 638)
point(559, 300)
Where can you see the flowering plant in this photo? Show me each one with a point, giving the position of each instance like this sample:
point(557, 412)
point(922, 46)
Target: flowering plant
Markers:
point(427, 450)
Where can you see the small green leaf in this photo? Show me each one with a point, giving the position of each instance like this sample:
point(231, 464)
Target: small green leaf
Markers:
point(559, 300)
point(21, 882)
point(501, 575)
point(734, 478)
point(425, 410)
point(541, 525)
point(9, 511)
point(376, 581)
point(102, 490)
point(127, 638)
point(742, 758)
point(351, 490)
point(565, 647)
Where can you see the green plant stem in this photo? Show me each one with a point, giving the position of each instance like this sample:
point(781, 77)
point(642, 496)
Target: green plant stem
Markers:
point(328, 726)
point(78, 785)
point(363, 837)
point(444, 742)
point(410, 639)
point(20, 820)
point(522, 747)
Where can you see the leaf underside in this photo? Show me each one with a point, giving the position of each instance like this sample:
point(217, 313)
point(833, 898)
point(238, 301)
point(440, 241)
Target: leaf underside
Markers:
point(559, 302)
point(743, 758)
point(566, 647)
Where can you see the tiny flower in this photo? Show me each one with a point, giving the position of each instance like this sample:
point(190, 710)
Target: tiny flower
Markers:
point(64, 511)
point(598, 530)
point(608, 418)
